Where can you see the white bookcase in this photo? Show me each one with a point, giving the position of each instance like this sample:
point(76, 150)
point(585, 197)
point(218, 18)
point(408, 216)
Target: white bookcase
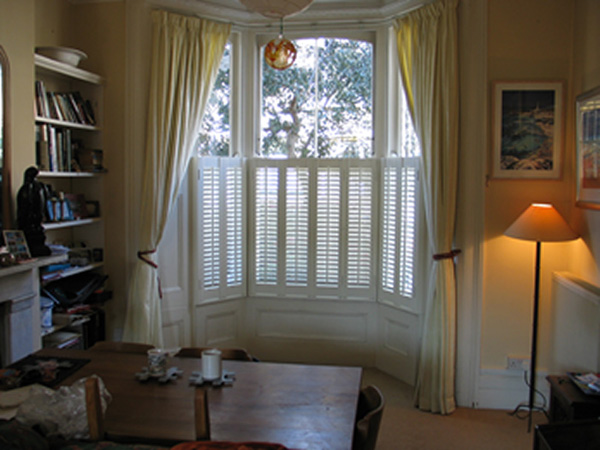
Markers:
point(59, 134)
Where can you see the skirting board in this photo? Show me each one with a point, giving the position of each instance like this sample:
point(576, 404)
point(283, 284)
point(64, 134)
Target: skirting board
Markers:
point(505, 389)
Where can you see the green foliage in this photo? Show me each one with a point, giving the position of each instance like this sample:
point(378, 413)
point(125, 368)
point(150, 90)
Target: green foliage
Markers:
point(214, 138)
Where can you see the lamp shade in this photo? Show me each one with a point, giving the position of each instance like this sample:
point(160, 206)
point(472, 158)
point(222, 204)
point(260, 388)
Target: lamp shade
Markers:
point(276, 9)
point(541, 222)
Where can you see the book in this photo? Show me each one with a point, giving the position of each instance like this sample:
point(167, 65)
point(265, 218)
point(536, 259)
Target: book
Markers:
point(77, 205)
point(589, 383)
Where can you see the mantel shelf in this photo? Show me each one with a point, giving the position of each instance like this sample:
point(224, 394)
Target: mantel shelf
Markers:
point(65, 124)
point(70, 223)
point(52, 65)
point(47, 174)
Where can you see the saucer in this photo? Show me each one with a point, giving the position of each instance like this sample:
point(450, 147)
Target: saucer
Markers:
point(226, 379)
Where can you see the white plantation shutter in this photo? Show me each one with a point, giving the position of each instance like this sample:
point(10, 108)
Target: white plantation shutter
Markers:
point(360, 227)
point(328, 226)
point(316, 238)
point(210, 226)
point(222, 229)
point(266, 225)
point(296, 226)
point(234, 210)
point(398, 227)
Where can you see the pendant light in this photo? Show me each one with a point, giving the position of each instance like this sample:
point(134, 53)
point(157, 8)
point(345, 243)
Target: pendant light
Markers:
point(279, 53)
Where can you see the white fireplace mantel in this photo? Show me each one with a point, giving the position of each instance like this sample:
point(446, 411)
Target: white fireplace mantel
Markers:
point(20, 334)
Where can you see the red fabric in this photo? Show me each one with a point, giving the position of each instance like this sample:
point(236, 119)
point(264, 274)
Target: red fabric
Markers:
point(214, 445)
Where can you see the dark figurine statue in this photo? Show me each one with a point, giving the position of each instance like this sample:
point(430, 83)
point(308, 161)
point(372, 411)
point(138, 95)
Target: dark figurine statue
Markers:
point(31, 204)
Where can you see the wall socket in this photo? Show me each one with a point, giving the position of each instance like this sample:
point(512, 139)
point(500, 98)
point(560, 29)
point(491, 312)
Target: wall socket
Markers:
point(517, 363)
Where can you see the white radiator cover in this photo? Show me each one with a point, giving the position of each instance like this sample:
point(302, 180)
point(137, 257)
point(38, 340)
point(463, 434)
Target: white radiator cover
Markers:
point(575, 327)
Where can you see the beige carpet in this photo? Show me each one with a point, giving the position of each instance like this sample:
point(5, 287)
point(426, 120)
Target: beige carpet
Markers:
point(405, 428)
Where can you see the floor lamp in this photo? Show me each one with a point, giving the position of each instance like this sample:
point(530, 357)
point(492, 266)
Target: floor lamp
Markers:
point(540, 223)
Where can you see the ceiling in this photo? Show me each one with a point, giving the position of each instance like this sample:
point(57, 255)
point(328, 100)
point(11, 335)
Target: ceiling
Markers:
point(367, 11)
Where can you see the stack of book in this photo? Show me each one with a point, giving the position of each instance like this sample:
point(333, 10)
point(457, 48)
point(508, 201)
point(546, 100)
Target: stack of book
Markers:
point(63, 106)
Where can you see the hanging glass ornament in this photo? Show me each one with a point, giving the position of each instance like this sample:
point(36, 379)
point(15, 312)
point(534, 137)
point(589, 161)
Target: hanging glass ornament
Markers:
point(280, 53)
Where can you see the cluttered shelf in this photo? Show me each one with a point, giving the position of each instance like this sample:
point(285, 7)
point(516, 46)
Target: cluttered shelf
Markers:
point(59, 271)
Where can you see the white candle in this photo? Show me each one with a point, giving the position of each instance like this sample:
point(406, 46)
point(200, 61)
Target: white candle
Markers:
point(211, 364)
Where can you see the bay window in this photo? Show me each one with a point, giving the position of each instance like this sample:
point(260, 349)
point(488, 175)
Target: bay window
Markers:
point(311, 213)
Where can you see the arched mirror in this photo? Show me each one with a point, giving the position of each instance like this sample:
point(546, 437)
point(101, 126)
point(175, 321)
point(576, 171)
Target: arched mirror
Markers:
point(5, 198)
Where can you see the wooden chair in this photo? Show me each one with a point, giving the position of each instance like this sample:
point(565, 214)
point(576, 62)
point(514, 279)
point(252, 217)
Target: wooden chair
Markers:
point(93, 406)
point(201, 416)
point(368, 418)
point(123, 347)
point(238, 354)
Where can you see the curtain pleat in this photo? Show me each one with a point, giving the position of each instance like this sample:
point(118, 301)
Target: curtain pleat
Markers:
point(428, 55)
point(186, 54)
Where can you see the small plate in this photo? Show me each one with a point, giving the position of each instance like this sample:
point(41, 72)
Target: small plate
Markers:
point(226, 379)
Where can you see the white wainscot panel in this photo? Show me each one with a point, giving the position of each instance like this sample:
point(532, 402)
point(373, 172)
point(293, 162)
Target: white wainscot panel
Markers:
point(316, 332)
point(399, 337)
point(305, 325)
point(218, 324)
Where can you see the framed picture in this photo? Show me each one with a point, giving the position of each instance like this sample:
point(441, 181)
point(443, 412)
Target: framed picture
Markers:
point(588, 149)
point(527, 129)
point(17, 244)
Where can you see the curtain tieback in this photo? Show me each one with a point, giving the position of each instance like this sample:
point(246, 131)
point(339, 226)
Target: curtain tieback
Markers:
point(451, 254)
point(142, 256)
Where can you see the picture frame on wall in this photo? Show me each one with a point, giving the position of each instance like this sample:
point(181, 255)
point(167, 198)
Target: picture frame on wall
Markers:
point(527, 129)
point(588, 149)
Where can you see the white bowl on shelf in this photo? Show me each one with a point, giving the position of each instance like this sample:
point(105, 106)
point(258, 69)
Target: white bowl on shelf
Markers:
point(70, 56)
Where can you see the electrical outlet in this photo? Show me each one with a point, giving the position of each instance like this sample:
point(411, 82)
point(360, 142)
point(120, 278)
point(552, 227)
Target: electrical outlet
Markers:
point(517, 363)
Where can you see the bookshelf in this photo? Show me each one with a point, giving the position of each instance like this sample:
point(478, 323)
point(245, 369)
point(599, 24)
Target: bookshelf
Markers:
point(68, 103)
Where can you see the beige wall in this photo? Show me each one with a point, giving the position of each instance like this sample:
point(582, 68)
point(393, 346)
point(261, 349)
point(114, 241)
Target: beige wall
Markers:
point(98, 29)
point(534, 40)
point(16, 36)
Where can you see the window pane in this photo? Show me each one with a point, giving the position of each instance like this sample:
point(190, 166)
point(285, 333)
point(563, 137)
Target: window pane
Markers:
point(214, 138)
point(322, 105)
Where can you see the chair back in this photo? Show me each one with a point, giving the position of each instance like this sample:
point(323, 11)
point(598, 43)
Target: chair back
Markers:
point(368, 418)
point(123, 347)
point(238, 354)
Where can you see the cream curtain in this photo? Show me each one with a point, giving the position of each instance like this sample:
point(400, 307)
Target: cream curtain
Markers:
point(187, 52)
point(428, 53)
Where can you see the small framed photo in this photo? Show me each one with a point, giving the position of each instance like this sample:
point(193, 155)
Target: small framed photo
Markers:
point(17, 244)
point(588, 149)
point(527, 129)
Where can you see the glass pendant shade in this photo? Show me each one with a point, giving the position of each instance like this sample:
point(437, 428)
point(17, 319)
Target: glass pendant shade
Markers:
point(280, 53)
point(276, 9)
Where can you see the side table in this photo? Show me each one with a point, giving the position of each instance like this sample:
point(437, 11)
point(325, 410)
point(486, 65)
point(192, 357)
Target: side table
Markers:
point(581, 435)
point(568, 403)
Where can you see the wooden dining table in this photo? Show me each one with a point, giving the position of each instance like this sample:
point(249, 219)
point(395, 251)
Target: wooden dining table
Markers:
point(300, 406)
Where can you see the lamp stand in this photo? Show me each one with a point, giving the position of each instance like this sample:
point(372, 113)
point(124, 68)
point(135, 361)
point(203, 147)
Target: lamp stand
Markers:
point(530, 406)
